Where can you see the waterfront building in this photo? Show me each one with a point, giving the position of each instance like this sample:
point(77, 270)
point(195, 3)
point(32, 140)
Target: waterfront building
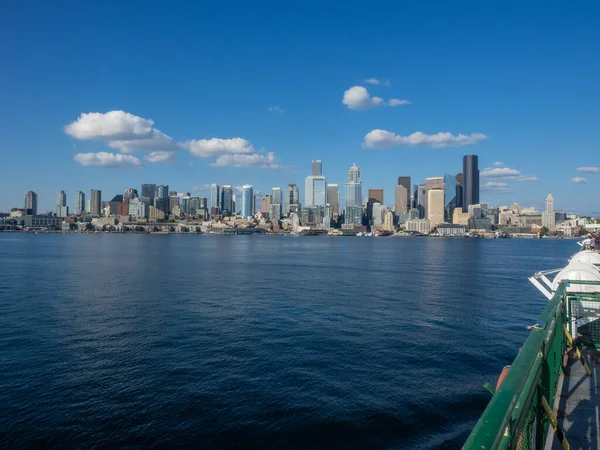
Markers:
point(96, 202)
point(460, 218)
point(79, 202)
point(214, 196)
point(353, 215)
point(149, 190)
point(317, 168)
point(129, 194)
point(247, 197)
point(333, 198)
point(421, 226)
point(315, 193)
point(354, 187)
point(227, 200)
point(449, 196)
point(31, 201)
point(43, 221)
point(435, 206)
point(449, 229)
point(471, 181)
point(548, 216)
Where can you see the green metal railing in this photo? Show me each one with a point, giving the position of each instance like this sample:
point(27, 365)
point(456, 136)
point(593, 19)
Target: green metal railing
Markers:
point(515, 417)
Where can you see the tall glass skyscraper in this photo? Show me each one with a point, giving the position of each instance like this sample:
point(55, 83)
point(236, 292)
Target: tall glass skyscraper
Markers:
point(96, 202)
point(459, 190)
point(214, 196)
point(130, 194)
point(354, 187)
point(79, 202)
point(247, 197)
point(449, 197)
point(162, 191)
point(227, 200)
point(317, 168)
point(315, 193)
point(149, 190)
point(31, 200)
point(471, 181)
point(292, 196)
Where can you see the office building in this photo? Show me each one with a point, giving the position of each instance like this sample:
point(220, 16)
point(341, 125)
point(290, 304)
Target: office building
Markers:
point(266, 204)
point(354, 187)
point(214, 196)
point(292, 198)
point(315, 193)
point(149, 190)
point(227, 200)
point(333, 198)
point(374, 196)
point(61, 204)
point(353, 215)
point(317, 168)
point(277, 198)
point(275, 211)
point(113, 205)
point(548, 216)
point(247, 200)
point(138, 208)
point(378, 211)
point(449, 197)
point(388, 220)
point(79, 202)
point(31, 201)
point(459, 190)
point(404, 182)
point(402, 203)
point(96, 202)
point(435, 206)
point(421, 200)
point(130, 194)
point(162, 191)
point(471, 181)
point(421, 226)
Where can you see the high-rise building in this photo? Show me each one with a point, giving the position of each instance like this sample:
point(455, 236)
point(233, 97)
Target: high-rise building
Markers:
point(421, 200)
point(114, 205)
point(227, 200)
point(61, 204)
point(162, 191)
point(247, 196)
point(333, 198)
point(31, 201)
point(315, 192)
point(173, 202)
point(548, 216)
point(317, 168)
point(138, 208)
point(352, 215)
point(432, 183)
point(375, 196)
point(378, 212)
point(471, 181)
point(354, 187)
point(402, 204)
point(96, 202)
point(459, 190)
point(435, 206)
point(214, 196)
point(266, 204)
point(130, 194)
point(275, 211)
point(405, 181)
point(149, 190)
point(79, 202)
point(292, 197)
point(450, 184)
point(276, 196)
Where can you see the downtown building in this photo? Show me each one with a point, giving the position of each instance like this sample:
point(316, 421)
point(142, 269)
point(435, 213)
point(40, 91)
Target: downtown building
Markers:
point(470, 186)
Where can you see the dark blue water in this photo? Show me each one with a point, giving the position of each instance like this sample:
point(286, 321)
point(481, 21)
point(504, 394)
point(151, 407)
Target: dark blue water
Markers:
point(257, 342)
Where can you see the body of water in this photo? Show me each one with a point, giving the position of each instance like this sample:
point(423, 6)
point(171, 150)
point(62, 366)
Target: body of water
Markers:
point(258, 341)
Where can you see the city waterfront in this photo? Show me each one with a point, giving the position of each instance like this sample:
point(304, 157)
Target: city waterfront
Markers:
point(113, 340)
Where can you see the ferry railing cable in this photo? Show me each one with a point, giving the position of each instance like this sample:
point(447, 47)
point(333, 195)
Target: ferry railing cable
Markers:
point(514, 418)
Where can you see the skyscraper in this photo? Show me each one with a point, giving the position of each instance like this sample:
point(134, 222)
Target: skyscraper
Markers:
point(435, 206)
point(149, 190)
point(317, 168)
point(162, 191)
point(227, 200)
point(459, 190)
point(449, 197)
point(31, 200)
point(471, 181)
point(333, 198)
point(315, 192)
point(421, 200)
point(266, 204)
point(79, 202)
point(375, 196)
point(548, 217)
point(405, 181)
point(292, 197)
point(214, 196)
point(354, 187)
point(130, 194)
point(247, 196)
point(402, 205)
point(61, 204)
point(96, 202)
point(432, 183)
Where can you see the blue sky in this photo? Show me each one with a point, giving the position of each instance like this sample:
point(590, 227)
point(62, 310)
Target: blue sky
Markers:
point(518, 81)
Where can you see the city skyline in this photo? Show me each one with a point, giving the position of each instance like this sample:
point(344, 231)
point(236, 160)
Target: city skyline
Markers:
point(313, 98)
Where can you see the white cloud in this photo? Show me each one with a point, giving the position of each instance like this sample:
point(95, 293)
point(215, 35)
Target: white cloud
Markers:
point(387, 139)
point(267, 161)
point(588, 169)
point(357, 97)
point(498, 164)
point(201, 187)
point(276, 109)
point(157, 141)
point(105, 159)
point(160, 157)
point(496, 186)
point(113, 125)
point(579, 180)
point(397, 102)
point(506, 174)
point(376, 81)
point(206, 148)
